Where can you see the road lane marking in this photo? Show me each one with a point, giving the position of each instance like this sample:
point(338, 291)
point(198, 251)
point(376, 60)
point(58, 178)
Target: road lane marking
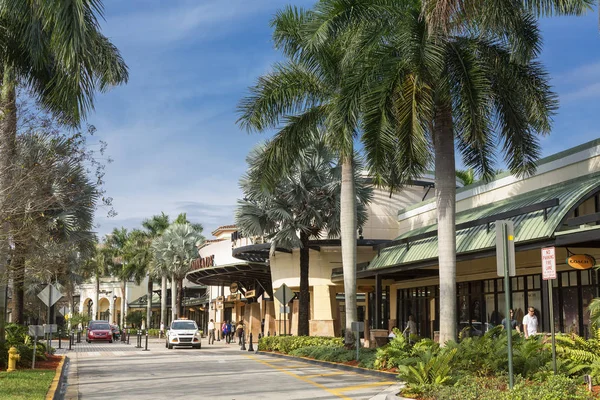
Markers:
point(365, 386)
point(329, 374)
point(332, 391)
point(92, 354)
point(118, 353)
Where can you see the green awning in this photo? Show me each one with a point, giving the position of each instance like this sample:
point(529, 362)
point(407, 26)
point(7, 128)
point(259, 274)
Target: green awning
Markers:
point(529, 227)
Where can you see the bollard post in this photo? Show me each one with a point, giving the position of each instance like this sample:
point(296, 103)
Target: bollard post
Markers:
point(146, 347)
point(128, 335)
point(59, 339)
point(243, 342)
point(138, 344)
point(250, 348)
point(70, 339)
point(268, 333)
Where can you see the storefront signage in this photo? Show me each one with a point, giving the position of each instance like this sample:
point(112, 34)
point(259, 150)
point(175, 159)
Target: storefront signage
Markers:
point(219, 305)
point(234, 297)
point(548, 263)
point(220, 298)
point(581, 261)
point(206, 262)
point(233, 288)
point(250, 293)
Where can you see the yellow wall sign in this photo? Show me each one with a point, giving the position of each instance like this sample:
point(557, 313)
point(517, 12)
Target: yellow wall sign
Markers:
point(581, 261)
point(250, 294)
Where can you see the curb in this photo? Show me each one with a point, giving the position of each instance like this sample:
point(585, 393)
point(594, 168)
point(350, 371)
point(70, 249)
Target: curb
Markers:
point(59, 377)
point(343, 367)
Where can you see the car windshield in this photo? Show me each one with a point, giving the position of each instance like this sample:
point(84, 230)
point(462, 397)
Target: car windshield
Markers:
point(100, 327)
point(183, 325)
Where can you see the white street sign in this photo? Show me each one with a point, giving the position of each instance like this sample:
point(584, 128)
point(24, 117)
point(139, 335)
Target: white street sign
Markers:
point(548, 263)
point(44, 295)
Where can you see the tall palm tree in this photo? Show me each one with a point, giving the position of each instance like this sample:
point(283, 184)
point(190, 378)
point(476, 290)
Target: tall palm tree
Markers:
point(421, 90)
point(303, 205)
point(174, 250)
point(57, 50)
point(155, 226)
point(297, 98)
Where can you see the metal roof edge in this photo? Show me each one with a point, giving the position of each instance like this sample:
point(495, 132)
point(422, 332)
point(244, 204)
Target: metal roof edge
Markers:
point(547, 164)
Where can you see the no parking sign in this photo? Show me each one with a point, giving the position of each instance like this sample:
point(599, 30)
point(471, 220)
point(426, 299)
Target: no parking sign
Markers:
point(548, 263)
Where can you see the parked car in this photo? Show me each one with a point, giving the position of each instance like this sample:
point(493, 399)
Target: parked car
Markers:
point(116, 332)
point(99, 331)
point(183, 332)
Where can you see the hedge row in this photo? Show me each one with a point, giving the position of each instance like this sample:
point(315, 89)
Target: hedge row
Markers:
point(287, 344)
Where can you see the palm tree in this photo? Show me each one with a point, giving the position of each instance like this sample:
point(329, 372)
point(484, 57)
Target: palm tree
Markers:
point(303, 205)
point(300, 94)
point(446, 14)
point(57, 50)
point(174, 250)
point(421, 90)
point(155, 226)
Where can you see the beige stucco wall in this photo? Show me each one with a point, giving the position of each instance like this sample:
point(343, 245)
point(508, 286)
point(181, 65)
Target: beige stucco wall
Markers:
point(550, 173)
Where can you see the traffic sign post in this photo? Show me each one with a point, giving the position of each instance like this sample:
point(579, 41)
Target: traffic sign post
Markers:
point(284, 294)
point(358, 326)
point(548, 274)
point(505, 259)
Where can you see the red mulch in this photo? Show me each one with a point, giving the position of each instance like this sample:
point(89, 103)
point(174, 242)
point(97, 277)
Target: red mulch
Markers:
point(51, 363)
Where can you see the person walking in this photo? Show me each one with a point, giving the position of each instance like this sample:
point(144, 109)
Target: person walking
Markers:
point(530, 323)
point(211, 332)
point(225, 328)
point(231, 329)
point(513, 322)
point(240, 331)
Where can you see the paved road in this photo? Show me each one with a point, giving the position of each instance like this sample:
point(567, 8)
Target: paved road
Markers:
point(221, 371)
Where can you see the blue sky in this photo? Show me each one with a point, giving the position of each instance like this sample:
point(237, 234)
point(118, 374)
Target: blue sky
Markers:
point(171, 131)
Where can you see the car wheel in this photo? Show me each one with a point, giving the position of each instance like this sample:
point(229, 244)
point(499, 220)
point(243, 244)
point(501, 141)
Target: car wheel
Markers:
point(89, 341)
point(110, 341)
point(167, 345)
point(170, 347)
point(198, 346)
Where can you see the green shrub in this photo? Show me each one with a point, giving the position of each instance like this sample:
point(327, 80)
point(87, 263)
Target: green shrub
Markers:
point(287, 344)
point(392, 354)
point(26, 353)
point(338, 354)
point(427, 367)
point(153, 332)
point(16, 334)
point(557, 387)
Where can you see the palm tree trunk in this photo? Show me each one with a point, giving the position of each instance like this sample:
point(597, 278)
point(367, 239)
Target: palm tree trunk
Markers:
point(8, 135)
point(180, 299)
point(163, 301)
point(96, 298)
point(18, 279)
point(445, 187)
point(173, 298)
point(303, 311)
point(149, 303)
point(348, 241)
point(124, 303)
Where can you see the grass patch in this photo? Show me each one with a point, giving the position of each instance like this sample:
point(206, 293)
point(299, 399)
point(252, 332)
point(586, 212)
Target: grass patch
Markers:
point(25, 384)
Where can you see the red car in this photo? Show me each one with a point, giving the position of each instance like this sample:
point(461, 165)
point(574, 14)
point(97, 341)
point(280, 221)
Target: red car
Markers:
point(99, 331)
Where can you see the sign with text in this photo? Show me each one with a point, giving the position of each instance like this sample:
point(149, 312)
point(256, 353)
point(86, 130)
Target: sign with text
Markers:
point(358, 326)
point(250, 293)
point(581, 261)
point(548, 263)
point(36, 330)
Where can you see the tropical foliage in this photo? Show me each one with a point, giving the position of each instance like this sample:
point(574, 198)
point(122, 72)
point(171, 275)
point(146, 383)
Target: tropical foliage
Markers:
point(418, 93)
point(303, 205)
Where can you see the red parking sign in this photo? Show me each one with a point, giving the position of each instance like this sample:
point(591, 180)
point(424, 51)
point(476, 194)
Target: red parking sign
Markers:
point(548, 263)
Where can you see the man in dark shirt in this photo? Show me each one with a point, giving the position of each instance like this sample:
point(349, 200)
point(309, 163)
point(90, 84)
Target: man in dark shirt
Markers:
point(513, 321)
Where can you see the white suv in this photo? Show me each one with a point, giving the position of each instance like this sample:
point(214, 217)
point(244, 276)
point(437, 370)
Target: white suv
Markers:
point(183, 332)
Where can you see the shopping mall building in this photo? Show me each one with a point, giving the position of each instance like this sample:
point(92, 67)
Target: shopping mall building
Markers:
point(558, 206)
